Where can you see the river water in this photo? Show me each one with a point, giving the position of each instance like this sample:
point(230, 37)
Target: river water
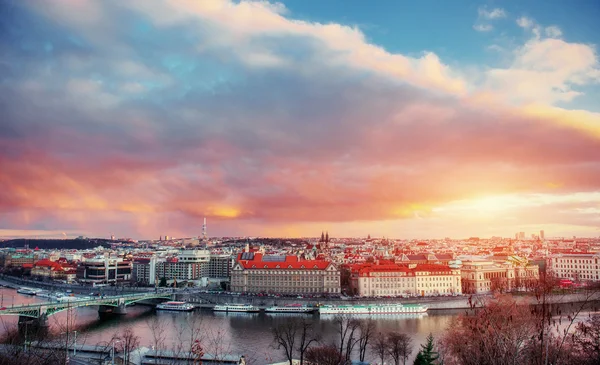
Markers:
point(234, 333)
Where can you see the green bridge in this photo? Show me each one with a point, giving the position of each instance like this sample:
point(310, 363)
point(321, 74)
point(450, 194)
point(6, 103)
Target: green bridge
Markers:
point(39, 312)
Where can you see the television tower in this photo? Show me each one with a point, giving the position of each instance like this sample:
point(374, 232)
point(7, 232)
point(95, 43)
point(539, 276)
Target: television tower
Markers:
point(204, 230)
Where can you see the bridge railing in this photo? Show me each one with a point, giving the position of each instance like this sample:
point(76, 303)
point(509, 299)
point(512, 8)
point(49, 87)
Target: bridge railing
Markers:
point(83, 302)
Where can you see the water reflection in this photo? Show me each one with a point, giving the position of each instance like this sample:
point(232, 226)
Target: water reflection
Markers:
point(240, 333)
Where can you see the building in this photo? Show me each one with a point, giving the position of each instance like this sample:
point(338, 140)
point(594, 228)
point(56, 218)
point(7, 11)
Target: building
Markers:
point(439, 259)
point(256, 273)
point(19, 259)
point(53, 270)
point(391, 279)
point(577, 267)
point(187, 265)
point(144, 270)
point(220, 266)
point(481, 276)
point(104, 270)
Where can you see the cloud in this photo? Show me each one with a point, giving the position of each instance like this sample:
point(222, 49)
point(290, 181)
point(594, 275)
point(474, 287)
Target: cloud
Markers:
point(483, 27)
point(546, 69)
point(553, 31)
point(258, 121)
point(525, 22)
point(484, 16)
point(496, 13)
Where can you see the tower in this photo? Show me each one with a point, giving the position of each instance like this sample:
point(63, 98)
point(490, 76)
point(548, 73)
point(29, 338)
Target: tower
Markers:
point(204, 230)
point(542, 234)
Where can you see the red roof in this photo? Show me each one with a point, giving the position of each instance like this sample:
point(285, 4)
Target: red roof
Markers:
point(365, 269)
point(50, 264)
point(291, 262)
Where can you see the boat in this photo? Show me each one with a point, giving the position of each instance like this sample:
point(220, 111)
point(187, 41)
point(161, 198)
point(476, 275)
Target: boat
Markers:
point(28, 291)
point(373, 309)
point(71, 298)
point(236, 308)
point(291, 308)
point(45, 294)
point(176, 306)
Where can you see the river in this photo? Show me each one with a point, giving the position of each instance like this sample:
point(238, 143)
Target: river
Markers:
point(235, 333)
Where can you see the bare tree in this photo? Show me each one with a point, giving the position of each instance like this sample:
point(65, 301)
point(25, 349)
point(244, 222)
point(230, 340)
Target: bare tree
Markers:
point(129, 342)
point(284, 337)
point(323, 355)
point(367, 330)
point(156, 325)
point(379, 347)
point(399, 347)
point(346, 327)
point(217, 344)
point(307, 336)
point(586, 341)
point(188, 334)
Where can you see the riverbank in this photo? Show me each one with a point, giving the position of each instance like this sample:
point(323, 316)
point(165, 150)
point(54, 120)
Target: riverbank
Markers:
point(209, 300)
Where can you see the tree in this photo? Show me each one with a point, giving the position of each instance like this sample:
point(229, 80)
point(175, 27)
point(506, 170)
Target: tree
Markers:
point(323, 355)
point(379, 347)
point(367, 330)
point(163, 282)
point(284, 337)
point(129, 342)
point(307, 336)
point(428, 355)
point(420, 359)
point(586, 341)
point(346, 328)
point(399, 347)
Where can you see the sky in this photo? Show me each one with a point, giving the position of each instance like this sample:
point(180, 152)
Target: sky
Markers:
point(403, 119)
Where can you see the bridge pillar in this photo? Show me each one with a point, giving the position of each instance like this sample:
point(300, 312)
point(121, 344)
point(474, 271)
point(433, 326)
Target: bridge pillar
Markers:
point(29, 326)
point(108, 310)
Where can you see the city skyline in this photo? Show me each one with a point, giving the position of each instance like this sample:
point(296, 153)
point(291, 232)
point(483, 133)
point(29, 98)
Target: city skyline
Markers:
point(407, 120)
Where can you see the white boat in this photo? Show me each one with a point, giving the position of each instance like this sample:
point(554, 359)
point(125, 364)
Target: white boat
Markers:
point(176, 306)
point(28, 291)
point(71, 298)
point(235, 308)
point(373, 309)
point(45, 294)
point(291, 308)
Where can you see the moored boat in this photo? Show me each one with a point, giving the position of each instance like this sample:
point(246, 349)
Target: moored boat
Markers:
point(28, 291)
point(291, 308)
point(373, 309)
point(44, 294)
point(236, 308)
point(176, 306)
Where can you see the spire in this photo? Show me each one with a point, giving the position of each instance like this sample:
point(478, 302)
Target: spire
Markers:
point(322, 237)
point(327, 237)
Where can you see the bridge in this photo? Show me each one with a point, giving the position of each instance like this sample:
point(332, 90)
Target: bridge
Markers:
point(38, 313)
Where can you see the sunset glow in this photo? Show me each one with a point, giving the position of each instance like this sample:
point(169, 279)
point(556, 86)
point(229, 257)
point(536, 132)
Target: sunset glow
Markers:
point(140, 118)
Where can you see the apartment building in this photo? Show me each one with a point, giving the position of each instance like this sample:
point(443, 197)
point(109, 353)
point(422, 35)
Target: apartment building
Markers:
point(254, 272)
point(391, 279)
point(481, 276)
point(104, 270)
point(220, 266)
point(577, 266)
point(187, 265)
point(144, 270)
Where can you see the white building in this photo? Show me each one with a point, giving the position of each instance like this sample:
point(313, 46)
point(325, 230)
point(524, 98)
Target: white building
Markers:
point(576, 267)
point(372, 280)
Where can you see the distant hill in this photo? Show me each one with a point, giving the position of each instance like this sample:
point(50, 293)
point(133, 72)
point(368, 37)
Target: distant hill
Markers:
point(45, 244)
